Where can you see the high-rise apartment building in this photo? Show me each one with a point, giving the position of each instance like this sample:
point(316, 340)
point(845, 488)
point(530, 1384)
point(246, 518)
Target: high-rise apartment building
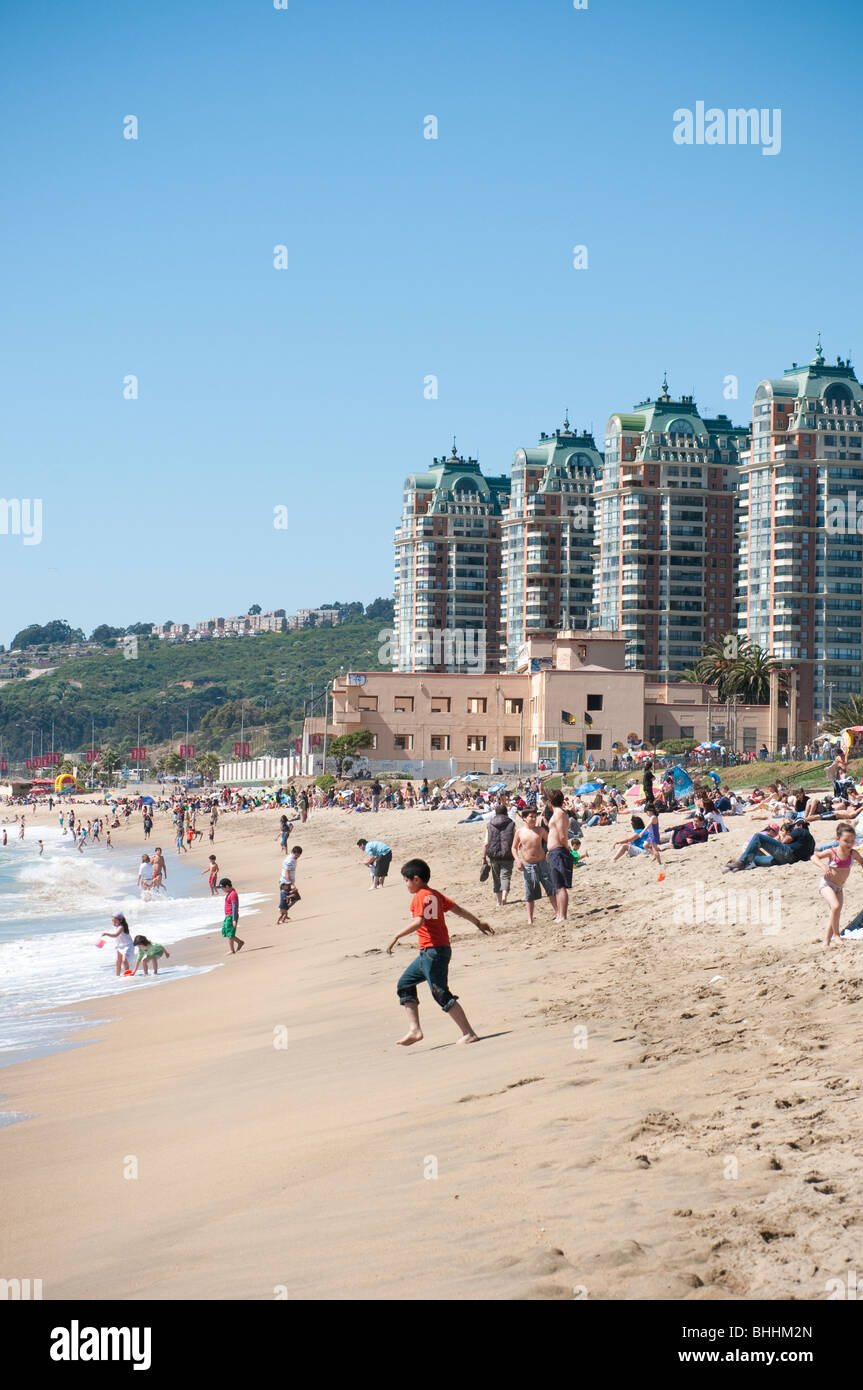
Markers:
point(799, 542)
point(665, 515)
point(547, 540)
point(447, 569)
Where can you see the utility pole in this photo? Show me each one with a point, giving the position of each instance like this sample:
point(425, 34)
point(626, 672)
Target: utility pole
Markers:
point(521, 739)
point(326, 721)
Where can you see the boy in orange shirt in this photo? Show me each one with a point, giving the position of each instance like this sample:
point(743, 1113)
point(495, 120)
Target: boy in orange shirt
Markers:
point(432, 964)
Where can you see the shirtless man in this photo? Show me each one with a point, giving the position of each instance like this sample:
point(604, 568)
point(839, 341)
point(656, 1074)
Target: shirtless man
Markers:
point(529, 855)
point(160, 869)
point(559, 857)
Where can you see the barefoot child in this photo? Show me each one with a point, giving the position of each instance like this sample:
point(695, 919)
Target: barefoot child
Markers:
point(125, 944)
point(232, 914)
point(653, 838)
point(212, 870)
point(838, 860)
point(149, 951)
point(432, 964)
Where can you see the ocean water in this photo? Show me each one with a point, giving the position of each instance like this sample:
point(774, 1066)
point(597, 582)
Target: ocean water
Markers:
point(52, 911)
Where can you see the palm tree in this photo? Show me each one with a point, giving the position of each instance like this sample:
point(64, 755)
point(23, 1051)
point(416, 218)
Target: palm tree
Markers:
point(737, 666)
point(719, 663)
point(208, 765)
point(109, 762)
point(751, 675)
point(844, 716)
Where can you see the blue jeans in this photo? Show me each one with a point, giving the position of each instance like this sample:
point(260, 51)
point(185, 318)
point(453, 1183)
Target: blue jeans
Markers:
point(431, 965)
point(764, 850)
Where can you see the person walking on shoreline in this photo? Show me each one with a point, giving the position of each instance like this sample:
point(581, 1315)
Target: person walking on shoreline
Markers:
point(288, 892)
point(232, 916)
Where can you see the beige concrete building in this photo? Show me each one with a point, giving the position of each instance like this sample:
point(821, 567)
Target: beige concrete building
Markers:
point(570, 697)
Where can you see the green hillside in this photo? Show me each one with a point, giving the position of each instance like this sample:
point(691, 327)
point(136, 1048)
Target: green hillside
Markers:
point(266, 678)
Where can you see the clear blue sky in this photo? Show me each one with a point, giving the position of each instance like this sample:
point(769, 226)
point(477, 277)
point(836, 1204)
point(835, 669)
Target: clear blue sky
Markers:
point(407, 256)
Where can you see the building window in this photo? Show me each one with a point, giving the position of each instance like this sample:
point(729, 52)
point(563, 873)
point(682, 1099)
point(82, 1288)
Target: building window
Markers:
point(510, 743)
point(403, 740)
point(593, 742)
point(513, 706)
point(655, 734)
point(687, 731)
point(367, 702)
point(403, 704)
point(440, 743)
point(750, 740)
point(594, 702)
point(477, 705)
point(476, 743)
point(440, 704)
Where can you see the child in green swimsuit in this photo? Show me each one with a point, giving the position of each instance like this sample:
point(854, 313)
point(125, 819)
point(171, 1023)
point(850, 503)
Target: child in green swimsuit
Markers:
point(149, 951)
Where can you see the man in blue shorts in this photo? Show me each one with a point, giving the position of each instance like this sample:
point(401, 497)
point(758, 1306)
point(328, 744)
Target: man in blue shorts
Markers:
point(559, 856)
point(529, 855)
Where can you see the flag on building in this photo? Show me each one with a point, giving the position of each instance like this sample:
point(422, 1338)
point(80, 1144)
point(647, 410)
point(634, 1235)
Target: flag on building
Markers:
point(566, 717)
point(587, 718)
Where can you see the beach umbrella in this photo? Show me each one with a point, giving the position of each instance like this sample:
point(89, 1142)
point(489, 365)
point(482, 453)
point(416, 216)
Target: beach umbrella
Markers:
point(470, 777)
point(147, 801)
point(588, 787)
point(635, 791)
point(451, 781)
point(497, 787)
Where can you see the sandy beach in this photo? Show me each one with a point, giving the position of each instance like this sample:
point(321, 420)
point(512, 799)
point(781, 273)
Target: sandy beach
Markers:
point(660, 1107)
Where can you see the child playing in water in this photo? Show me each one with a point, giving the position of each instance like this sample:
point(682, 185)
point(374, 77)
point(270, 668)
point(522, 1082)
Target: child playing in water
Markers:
point(125, 944)
point(149, 951)
point(838, 860)
point(432, 964)
point(212, 870)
